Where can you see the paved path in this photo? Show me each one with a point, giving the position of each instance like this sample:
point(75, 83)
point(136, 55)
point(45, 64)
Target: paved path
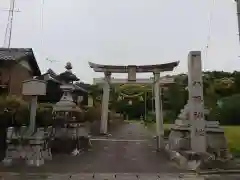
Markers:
point(130, 149)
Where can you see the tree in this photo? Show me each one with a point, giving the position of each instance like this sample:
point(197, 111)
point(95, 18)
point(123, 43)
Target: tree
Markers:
point(227, 112)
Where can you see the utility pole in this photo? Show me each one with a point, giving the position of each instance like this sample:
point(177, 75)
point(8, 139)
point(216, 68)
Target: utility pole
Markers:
point(238, 16)
point(8, 33)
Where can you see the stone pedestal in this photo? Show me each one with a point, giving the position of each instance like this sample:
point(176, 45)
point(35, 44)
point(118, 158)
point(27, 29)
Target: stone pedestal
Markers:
point(72, 136)
point(193, 141)
point(32, 149)
point(179, 145)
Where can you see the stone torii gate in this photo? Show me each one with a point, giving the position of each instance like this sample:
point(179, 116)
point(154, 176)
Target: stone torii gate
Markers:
point(132, 70)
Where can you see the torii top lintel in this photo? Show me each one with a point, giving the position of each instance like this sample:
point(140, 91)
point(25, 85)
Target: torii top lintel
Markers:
point(139, 69)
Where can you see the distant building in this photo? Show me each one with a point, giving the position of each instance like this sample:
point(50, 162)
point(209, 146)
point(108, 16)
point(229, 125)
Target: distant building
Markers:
point(16, 65)
point(54, 93)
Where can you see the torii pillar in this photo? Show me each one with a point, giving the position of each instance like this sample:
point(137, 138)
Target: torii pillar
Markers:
point(158, 110)
point(105, 101)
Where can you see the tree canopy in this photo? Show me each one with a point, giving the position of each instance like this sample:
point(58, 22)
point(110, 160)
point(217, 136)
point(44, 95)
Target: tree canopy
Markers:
point(218, 87)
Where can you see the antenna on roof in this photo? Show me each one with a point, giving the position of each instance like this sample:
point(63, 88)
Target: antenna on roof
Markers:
point(51, 60)
point(8, 33)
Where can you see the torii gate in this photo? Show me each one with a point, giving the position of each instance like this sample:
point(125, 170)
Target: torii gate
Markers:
point(132, 70)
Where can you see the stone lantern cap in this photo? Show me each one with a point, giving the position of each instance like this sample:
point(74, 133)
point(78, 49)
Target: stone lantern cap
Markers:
point(68, 76)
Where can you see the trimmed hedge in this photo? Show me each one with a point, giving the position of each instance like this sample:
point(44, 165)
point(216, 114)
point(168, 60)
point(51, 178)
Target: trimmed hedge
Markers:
point(93, 114)
point(18, 112)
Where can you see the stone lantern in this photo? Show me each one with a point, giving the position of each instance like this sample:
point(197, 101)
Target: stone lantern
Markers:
point(68, 116)
point(66, 107)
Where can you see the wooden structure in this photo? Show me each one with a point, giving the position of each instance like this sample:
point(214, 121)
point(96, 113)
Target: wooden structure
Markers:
point(16, 65)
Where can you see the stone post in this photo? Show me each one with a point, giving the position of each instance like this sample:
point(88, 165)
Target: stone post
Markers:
point(196, 103)
point(105, 101)
point(33, 109)
point(159, 119)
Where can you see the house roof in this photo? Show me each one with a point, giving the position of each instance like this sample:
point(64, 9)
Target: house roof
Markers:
point(50, 75)
point(50, 72)
point(78, 87)
point(17, 54)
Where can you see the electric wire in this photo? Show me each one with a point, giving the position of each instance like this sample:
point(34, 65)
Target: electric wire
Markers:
point(210, 22)
point(42, 24)
point(42, 31)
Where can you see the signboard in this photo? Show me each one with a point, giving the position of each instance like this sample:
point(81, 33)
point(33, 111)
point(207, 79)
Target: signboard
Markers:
point(90, 101)
point(34, 87)
point(131, 73)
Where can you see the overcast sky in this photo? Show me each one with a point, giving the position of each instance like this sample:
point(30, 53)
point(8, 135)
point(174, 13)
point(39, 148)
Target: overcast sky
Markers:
point(124, 32)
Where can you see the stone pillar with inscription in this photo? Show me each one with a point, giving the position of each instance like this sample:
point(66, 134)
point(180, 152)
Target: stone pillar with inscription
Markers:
point(105, 101)
point(196, 103)
point(193, 140)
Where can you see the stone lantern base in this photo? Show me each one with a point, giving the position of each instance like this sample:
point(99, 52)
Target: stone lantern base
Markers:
point(33, 149)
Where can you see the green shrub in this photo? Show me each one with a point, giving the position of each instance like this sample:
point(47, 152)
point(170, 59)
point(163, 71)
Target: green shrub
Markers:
point(11, 102)
point(20, 112)
point(44, 116)
point(22, 115)
point(46, 105)
point(228, 113)
point(18, 109)
point(93, 113)
point(151, 117)
point(170, 117)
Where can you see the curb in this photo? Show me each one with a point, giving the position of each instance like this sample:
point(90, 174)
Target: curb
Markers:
point(220, 171)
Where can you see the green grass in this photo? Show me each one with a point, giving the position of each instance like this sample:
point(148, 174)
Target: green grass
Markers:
point(232, 134)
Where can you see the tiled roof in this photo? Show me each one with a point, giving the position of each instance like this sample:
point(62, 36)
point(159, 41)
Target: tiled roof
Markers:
point(15, 54)
point(79, 88)
point(51, 72)
point(50, 75)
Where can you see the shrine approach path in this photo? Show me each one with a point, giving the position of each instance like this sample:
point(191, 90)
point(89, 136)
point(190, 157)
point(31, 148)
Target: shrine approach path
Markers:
point(130, 149)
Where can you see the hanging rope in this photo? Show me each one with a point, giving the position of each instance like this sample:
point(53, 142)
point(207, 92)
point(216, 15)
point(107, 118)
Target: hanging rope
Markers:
point(131, 96)
point(209, 28)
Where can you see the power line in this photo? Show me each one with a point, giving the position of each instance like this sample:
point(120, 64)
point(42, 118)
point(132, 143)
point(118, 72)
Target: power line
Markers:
point(42, 31)
point(210, 20)
point(42, 23)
